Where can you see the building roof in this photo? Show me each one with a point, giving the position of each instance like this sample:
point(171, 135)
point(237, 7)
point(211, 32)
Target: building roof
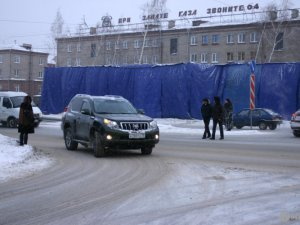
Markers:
point(212, 21)
point(23, 48)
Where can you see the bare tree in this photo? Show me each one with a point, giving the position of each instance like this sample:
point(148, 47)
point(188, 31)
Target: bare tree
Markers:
point(153, 7)
point(82, 27)
point(275, 21)
point(56, 31)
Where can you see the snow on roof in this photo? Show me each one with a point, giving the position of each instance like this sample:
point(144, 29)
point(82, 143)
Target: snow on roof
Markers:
point(183, 23)
point(24, 48)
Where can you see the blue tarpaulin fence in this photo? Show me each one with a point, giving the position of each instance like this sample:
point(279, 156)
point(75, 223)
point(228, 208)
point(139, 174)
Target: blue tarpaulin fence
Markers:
point(176, 91)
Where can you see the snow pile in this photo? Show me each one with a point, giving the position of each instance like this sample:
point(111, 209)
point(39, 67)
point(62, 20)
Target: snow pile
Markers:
point(17, 161)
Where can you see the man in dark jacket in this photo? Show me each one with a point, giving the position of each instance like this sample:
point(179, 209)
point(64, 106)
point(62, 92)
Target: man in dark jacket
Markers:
point(206, 112)
point(217, 115)
point(228, 111)
point(26, 120)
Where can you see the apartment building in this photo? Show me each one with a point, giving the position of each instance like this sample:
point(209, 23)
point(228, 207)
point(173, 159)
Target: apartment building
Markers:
point(22, 69)
point(200, 41)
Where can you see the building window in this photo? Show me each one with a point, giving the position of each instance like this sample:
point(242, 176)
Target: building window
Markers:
point(147, 43)
point(136, 59)
point(17, 59)
point(241, 38)
point(125, 44)
point(69, 47)
point(17, 88)
point(93, 50)
point(214, 58)
point(117, 45)
point(78, 62)
point(125, 59)
point(108, 61)
point(193, 57)
point(78, 47)
point(229, 56)
point(203, 57)
point(230, 39)
point(136, 43)
point(108, 45)
point(241, 56)
point(205, 39)
point(17, 73)
point(154, 59)
point(41, 75)
point(215, 39)
point(41, 61)
point(279, 41)
point(253, 37)
point(173, 46)
point(69, 62)
point(252, 55)
point(40, 89)
point(1, 58)
point(155, 42)
point(193, 40)
point(145, 59)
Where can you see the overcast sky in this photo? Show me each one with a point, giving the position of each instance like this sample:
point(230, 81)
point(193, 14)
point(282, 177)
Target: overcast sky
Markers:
point(29, 21)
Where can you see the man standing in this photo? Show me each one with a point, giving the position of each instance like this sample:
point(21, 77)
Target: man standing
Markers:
point(217, 115)
point(228, 110)
point(206, 112)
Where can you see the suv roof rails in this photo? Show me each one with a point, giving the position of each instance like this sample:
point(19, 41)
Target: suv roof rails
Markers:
point(113, 96)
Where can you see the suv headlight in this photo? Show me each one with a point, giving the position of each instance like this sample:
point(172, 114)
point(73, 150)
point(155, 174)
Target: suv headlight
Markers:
point(153, 125)
point(111, 124)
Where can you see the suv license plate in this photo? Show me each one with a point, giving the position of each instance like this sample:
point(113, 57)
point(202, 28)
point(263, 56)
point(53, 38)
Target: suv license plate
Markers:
point(136, 135)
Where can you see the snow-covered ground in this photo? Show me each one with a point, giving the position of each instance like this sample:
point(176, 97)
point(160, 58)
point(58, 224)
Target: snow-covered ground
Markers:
point(16, 161)
point(194, 193)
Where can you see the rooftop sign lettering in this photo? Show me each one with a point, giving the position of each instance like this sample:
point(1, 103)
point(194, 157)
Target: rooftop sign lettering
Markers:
point(156, 16)
point(230, 9)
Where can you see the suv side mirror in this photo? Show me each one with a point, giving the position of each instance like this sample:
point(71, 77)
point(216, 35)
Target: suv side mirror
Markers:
point(85, 112)
point(141, 111)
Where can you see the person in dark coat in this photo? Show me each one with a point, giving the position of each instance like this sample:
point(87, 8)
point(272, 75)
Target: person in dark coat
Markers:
point(217, 116)
point(228, 111)
point(206, 112)
point(26, 120)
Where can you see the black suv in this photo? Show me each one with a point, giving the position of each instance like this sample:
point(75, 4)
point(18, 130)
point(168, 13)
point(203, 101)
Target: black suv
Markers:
point(105, 122)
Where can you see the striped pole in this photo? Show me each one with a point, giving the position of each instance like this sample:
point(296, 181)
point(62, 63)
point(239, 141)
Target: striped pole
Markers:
point(252, 91)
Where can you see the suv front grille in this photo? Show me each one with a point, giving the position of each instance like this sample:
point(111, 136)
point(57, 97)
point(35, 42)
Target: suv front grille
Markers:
point(134, 126)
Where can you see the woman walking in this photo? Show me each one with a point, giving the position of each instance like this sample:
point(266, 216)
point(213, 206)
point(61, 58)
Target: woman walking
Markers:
point(26, 120)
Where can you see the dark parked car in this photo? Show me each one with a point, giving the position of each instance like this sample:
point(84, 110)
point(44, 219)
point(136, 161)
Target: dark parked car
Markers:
point(295, 123)
point(261, 117)
point(106, 122)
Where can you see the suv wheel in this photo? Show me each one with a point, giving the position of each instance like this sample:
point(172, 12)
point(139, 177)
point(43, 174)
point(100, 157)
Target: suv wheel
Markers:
point(11, 123)
point(146, 150)
point(273, 126)
point(69, 142)
point(262, 126)
point(98, 148)
point(296, 133)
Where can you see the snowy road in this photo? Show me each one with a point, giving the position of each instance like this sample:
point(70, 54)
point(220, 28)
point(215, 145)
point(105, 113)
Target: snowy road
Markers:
point(251, 177)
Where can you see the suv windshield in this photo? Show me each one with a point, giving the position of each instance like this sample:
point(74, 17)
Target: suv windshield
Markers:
point(113, 106)
point(17, 101)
